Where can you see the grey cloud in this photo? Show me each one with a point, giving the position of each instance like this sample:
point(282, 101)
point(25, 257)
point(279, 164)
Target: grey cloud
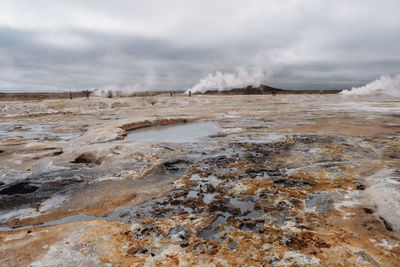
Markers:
point(173, 44)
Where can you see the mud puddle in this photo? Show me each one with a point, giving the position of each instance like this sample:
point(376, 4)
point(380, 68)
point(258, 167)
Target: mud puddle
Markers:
point(188, 132)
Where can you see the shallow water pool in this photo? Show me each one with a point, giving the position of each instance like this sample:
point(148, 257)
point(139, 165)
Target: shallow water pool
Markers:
point(188, 132)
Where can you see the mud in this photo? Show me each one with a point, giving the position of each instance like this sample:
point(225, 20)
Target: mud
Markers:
point(305, 180)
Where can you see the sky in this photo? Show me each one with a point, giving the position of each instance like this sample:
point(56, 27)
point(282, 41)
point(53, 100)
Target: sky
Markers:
point(48, 45)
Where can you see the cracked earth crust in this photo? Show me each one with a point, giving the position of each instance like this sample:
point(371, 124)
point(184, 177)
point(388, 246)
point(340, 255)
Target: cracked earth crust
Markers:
point(290, 180)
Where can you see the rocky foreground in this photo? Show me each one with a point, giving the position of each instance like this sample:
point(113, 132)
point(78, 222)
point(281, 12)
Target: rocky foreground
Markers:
point(290, 180)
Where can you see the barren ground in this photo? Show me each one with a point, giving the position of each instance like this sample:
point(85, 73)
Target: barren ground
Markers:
point(290, 180)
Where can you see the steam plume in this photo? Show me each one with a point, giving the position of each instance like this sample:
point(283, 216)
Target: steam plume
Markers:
point(225, 81)
point(386, 84)
point(118, 91)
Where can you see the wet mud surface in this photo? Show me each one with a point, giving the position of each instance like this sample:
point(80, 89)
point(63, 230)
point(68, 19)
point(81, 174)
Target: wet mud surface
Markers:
point(283, 181)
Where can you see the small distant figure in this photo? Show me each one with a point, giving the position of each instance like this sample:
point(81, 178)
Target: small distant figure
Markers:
point(321, 92)
point(87, 94)
point(170, 94)
point(70, 95)
point(190, 93)
point(273, 92)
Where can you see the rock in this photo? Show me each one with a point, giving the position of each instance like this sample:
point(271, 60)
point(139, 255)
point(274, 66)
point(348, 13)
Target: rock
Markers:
point(143, 231)
point(369, 211)
point(254, 172)
point(360, 187)
point(19, 188)
point(89, 157)
point(175, 165)
point(137, 249)
point(161, 211)
point(179, 194)
point(388, 226)
point(178, 233)
point(218, 205)
point(57, 153)
point(184, 244)
point(209, 188)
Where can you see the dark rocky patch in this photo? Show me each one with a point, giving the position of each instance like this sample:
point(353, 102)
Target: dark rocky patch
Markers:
point(178, 232)
point(360, 187)
point(388, 226)
point(254, 172)
point(175, 165)
point(209, 188)
point(88, 157)
point(184, 244)
point(252, 226)
point(57, 153)
point(222, 204)
point(141, 232)
point(368, 210)
point(36, 189)
point(283, 181)
point(138, 249)
point(19, 188)
point(302, 240)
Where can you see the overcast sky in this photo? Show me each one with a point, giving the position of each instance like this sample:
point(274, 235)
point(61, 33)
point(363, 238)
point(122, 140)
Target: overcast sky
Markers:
point(60, 45)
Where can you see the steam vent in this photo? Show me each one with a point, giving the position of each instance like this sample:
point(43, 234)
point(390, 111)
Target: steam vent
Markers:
point(206, 180)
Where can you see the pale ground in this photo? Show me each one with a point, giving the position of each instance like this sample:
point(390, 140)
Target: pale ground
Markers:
point(291, 180)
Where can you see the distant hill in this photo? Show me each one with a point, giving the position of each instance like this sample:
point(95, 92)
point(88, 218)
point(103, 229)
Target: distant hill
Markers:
point(38, 96)
point(265, 89)
point(41, 95)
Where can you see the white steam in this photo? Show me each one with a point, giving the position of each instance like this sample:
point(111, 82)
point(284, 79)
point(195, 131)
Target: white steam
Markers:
point(385, 84)
point(225, 81)
point(118, 91)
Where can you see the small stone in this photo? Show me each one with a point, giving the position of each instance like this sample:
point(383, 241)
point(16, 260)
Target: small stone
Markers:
point(369, 211)
point(184, 244)
point(360, 187)
point(178, 232)
point(388, 226)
